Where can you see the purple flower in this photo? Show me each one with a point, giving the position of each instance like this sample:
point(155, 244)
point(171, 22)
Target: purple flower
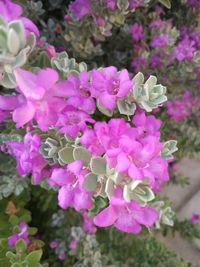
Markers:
point(184, 50)
point(72, 121)
point(193, 3)
point(23, 234)
point(181, 108)
point(135, 152)
point(79, 92)
point(160, 41)
point(29, 160)
point(126, 216)
point(111, 4)
point(11, 11)
point(81, 8)
point(137, 32)
point(195, 218)
point(42, 97)
point(108, 85)
point(88, 224)
point(71, 193)
point(73, 244)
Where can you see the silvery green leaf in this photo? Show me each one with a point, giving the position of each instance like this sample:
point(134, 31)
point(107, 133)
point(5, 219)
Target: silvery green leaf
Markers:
point(51, 142)
point(169, 148)
point(167, 216)
point(135, 184)
point(52, 151)
point(81, 153)
point(151, 82)
point(196, 57)
point(31, 42)
point(146, 106)
point(127, 193)
point(13, 42)
point(20, 59)
point(90, 182)
point(3, 38)
point(66, 155)
point(160, 100)
point(166, 3)
point(123, 4)
point(109, 188)
point(82, 66)
point(138, 79)
point(18, 27)
point(117, 178)
point(98, 165)
point(103, 110)
point(145, 195)
point(126, 108)
point(8, 81)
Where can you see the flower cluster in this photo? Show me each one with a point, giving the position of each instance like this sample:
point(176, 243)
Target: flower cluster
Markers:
point(182, 107)
point(89, 135)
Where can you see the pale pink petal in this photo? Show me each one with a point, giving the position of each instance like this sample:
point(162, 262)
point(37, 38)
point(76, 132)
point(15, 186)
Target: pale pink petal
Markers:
point(106, 217)
point(123, 162)
point(134, 172)
point(47, 78)
point(64, 197)
point(23, 114)
point(27, 83)
point(9, 102)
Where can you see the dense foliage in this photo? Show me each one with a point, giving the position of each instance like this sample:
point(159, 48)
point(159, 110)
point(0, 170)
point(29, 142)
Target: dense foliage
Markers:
point(94, 97)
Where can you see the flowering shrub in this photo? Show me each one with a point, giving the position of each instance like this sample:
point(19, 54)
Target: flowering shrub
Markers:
point(93, 143)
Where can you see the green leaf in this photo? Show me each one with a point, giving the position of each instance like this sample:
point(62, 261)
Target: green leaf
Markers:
point(34, 257)
point(11, 256)
point(90, 182)
point(98, 165)
point(81, 153)
point(14, 220)
point(17, 265)
point(165, 3)
point(98, 204)
point(20, 245)
point(66, 155)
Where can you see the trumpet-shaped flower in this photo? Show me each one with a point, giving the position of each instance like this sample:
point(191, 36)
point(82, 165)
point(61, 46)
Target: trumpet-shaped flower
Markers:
point(42, 97)
point(108, 85)
point(70, 180)
point(126, 216)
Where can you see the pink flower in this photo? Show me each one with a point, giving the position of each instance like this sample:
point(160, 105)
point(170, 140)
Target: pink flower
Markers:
point(184, 50)
point(29, 160)
point(108, 85)
point(72, 121)
point(11, 11)
point(80, 92)
point(135, 152)
point(126, 216)
point(195, 218)
point(88, 224)
point(146, 124)
point(111, 4)
point(81, 8)
point(71, 193)
point(54, 244)
point(23, 234)
point(73, 244)
point(181, 108)
point(42, 97)
point(160, 41)
point(137, 32)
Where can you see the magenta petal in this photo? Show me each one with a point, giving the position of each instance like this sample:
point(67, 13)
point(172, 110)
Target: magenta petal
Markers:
point(23, 114)
point(9, 102)
point(146, 216)
point(82, 201)
point(27, 82)
point(46, 78)
point(106, 217)
point(75, 167)
point(134, 172)
point(59, 176)
point(127, 224)
point(123, 162)
point(64, 89)
point(30, 26)
point(108, 101)
point(64, 197)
